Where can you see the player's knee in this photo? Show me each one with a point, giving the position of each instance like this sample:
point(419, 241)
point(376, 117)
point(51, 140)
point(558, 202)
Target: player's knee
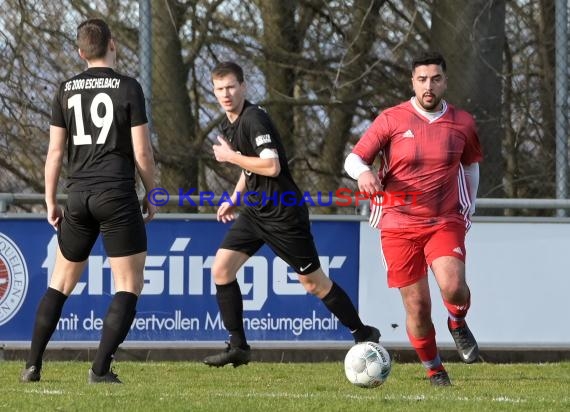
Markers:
point(456, 292)
point(222, 274)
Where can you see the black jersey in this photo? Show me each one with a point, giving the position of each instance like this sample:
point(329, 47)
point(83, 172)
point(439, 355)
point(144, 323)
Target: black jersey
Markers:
point(98, 107)
point(268, 197)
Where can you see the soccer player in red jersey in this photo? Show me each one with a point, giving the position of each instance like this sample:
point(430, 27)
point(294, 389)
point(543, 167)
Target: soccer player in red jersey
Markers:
point(430, 149)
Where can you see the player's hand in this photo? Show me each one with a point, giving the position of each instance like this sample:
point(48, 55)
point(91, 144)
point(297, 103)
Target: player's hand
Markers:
point(369, 183)
point(148, 209)
point(226, 212)
point(223, 151)
point(54, 215)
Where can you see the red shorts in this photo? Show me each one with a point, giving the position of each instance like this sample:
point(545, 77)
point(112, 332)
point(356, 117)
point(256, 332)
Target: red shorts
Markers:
point(409, 252)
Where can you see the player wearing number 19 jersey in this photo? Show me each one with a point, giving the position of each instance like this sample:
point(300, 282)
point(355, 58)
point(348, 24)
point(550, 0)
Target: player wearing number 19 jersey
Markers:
point(99, 117)
point(98, 107)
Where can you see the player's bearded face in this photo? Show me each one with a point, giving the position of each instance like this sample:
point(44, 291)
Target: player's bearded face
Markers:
point(230, 93)
point(429, 83)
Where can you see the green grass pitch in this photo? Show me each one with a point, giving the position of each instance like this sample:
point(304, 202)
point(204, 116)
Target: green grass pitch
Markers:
point(276, 387)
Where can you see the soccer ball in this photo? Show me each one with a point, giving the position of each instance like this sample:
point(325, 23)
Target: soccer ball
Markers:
point(367, 365)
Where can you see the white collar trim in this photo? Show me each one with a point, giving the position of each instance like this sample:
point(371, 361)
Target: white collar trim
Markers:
point(431, 116)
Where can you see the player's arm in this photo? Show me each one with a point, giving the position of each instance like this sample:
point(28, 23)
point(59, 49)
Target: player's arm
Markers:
point(52, 170)
point(354, 165)
point(239, 189)
point(472, 155)
point(226, 211)
point(358, 163)
point(144, 160)
point(472, 178)
point(368, 181)
point(267, 164)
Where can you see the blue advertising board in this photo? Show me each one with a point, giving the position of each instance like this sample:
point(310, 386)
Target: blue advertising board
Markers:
point(178, 301)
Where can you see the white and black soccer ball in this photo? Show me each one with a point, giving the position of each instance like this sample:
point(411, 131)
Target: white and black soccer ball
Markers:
point(367, 365)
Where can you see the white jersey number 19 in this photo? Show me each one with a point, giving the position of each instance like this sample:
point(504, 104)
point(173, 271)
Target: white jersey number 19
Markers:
point(103, 123)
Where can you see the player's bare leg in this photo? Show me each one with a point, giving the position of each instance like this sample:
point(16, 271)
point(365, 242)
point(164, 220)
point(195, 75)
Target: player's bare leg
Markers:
point(420, 329)
point(450, 275)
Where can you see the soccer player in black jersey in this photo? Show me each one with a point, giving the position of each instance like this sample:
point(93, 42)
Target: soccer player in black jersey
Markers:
point(100, 116)
point(274, 216)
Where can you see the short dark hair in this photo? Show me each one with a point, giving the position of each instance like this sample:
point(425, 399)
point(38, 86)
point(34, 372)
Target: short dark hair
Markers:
point(224, 68)
point(429, 57)
point(93, 37)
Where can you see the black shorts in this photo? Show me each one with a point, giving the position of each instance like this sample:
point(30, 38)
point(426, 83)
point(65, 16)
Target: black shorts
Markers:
point(114, 213)
point(290, 239)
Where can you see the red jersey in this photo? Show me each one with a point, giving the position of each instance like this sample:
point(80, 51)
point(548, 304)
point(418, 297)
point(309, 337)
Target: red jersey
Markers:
point(422, 173)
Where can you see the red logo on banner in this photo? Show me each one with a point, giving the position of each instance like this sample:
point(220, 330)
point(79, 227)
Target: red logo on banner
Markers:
point(13, 279)
point(4, 279)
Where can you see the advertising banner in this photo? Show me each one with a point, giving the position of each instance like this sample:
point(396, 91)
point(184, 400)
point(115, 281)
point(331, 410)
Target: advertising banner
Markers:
point(178, 302)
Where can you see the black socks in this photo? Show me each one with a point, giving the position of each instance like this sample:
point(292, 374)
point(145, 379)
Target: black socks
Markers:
point(340, 305)
point(47, 317)
point(116, 327)
point(230, 303)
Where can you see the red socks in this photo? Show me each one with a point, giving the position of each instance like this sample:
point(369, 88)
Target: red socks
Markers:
point(426, 348)
point(457, 313)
